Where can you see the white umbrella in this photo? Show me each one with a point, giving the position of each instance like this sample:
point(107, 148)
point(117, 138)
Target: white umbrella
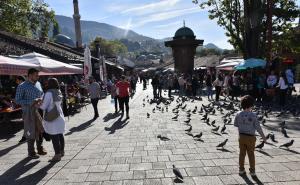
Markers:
point(10, 66)
point(87, 63)
point(229, 64)
point(48, 66)
point(226, 60)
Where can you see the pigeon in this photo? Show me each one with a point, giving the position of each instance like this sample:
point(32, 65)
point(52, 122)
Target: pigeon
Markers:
point(213, 123)
point(189, 129)
point(213, 111)
point(187, 121)
point(148, 115)
point(143, 105)
point(177, 173)
point(263, 121)
point(175, 117)
point(198, 135)
point(223, 129)
point(153, 110)
point(204, 117)
point(283, 131)
point(288, 144)
point(215, 129)
point(222, 144)
point(272, 136)
point(207, 121)
point(163, 138)
point(261, 145)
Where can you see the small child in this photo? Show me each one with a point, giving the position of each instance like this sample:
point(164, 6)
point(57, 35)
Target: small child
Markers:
point(247, 124)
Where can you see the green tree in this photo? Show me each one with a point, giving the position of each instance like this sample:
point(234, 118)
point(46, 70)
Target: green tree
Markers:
point(245, 21)
point(26, 17)
point(56, 29)
point(110, 48)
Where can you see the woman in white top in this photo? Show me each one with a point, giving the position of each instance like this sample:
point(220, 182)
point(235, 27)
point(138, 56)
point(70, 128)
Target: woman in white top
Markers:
point(55, 128)
point(283, 85)
point(218, 83)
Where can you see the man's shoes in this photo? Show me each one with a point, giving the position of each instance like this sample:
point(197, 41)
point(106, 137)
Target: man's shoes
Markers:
point(42, 151)
point(33, 156)
point(62, 153)
point(23, 139)
point(253, 174)
point(55, 158)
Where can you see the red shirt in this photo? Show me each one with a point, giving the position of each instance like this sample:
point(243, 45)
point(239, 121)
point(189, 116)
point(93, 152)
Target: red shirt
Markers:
point(123, 88)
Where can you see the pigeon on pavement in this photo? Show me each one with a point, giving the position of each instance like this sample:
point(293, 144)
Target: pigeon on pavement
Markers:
point(261, 145)
point(288, 144)
point(177, 173)
point(222, 144)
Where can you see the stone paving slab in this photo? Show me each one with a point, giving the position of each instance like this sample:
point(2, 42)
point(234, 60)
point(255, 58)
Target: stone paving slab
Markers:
point(115, 151)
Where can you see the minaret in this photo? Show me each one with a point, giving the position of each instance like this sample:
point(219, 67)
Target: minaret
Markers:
point(76, 18)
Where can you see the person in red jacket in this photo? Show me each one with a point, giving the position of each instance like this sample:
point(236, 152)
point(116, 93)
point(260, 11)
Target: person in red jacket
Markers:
point(123, 91)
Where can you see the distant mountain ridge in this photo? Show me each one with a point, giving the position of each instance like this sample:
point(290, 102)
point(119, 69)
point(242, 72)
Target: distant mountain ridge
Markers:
point(91, 29)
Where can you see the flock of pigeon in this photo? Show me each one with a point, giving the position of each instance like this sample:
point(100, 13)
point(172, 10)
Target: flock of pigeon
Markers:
point(225, 109)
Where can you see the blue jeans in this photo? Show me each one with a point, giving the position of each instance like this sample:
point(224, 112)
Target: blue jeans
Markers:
point(209, 92)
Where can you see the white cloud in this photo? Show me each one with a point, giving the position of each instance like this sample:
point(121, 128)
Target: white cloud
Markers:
point(156, 17)
point(150, 8)
point(168, 25)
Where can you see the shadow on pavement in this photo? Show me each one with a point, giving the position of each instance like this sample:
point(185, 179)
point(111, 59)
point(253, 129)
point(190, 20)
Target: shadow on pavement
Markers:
point(119, 124)
point(289, 150)
point(110, 116)
point(224, 150)
point(81, 127)
point(6, 150)
point(12, 175)
point(264, 153)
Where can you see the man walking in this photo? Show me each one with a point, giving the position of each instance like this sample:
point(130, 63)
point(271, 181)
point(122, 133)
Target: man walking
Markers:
point(94, 91)
point(124, 90)
point(28, 95)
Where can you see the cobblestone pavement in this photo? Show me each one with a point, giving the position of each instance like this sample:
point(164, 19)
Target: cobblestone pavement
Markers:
point(114, 151)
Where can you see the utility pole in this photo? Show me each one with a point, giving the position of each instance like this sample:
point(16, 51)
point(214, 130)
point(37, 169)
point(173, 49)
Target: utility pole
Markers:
point(270, 5)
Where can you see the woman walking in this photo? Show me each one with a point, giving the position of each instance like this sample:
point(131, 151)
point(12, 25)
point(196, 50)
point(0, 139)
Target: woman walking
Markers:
point(55, 128)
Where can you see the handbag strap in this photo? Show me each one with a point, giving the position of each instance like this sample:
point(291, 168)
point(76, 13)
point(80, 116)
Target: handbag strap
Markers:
point(53, 103)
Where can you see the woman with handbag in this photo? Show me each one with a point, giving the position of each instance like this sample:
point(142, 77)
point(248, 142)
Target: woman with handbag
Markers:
point(53, 119)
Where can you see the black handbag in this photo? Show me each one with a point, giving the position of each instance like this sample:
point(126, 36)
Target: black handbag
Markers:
point(52, 114)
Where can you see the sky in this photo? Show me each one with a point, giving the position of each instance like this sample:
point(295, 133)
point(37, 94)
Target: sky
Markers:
point(154, 18)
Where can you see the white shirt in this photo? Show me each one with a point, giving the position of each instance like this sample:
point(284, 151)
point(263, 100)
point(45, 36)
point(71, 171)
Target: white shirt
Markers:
point(282, 85)
point(58, 125)
point(181, 81)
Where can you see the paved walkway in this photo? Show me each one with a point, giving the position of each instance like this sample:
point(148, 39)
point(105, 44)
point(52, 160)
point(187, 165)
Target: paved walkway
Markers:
point(113, 151)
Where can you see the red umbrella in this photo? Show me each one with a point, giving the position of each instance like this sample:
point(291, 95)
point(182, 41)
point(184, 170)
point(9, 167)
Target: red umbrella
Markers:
point(288, 61)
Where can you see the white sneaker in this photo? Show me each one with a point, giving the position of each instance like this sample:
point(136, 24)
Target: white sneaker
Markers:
point(253, 174)
point(242, 172)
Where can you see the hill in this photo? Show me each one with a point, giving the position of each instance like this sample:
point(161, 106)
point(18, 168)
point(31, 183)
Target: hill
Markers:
point(91, 29)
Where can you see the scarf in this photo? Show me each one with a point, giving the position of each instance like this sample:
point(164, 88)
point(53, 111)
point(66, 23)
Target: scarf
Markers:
point(56, 94)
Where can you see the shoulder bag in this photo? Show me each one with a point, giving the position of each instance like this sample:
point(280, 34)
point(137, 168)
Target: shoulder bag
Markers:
point(52, 114)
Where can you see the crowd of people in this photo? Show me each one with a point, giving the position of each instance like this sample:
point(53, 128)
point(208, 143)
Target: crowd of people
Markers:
point(264, 86)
